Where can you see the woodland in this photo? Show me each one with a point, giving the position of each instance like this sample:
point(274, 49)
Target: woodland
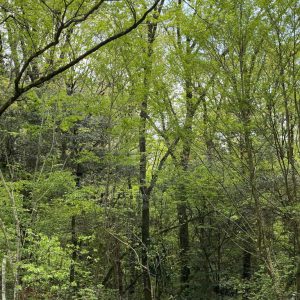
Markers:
point(150, 149)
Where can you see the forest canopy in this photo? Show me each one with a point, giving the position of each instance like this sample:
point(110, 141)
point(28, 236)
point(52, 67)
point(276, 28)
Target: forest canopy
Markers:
point(150, 149)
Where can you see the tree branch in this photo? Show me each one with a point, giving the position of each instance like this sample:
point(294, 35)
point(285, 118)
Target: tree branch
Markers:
point(56, 40)
point(43, 79)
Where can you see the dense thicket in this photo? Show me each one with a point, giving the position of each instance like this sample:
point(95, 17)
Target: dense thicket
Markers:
point(150, 149)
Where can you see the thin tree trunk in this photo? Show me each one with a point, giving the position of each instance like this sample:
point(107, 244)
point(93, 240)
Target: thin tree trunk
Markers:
point(18, 235)
point(4, 278)
point(184, 242)
point(118, 269)
point(144, 190)
point(144, 195)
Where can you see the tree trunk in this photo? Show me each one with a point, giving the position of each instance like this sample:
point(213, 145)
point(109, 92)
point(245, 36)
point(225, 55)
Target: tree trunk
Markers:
point(4, 278)
point(118, 269)
point(144, 190)
point(184, 242)
point(143, 182)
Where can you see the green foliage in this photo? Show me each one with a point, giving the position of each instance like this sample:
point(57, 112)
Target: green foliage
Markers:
point(211, 89)
point(47, 270)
